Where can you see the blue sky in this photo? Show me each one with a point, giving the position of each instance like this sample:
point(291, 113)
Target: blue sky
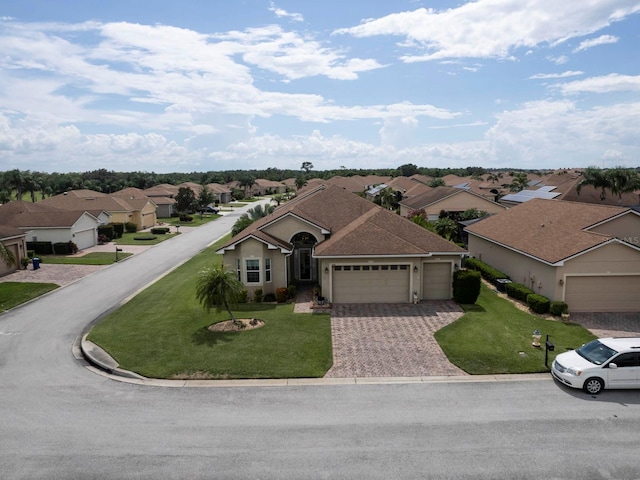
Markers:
point(170, 86)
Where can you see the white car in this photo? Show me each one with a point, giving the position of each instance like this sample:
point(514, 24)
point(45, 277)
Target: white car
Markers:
point(603, 363)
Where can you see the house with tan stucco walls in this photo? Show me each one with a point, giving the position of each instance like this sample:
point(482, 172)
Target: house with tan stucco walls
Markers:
point(356, 251)
point(448, 199)
point(586, 255)
point(14, 241)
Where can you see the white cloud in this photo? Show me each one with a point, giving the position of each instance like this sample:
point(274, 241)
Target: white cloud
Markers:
point(544, 76)
point(594, 42)
point(560, 133)
point(279, 12)
point(493, 28)
point(605, 84)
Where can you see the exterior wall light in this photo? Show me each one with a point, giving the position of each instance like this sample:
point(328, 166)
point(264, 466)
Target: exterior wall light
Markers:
point(415, 269)
point(326, 270)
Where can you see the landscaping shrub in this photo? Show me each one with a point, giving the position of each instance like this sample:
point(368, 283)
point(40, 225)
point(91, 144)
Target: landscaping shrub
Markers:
point(518, 291)
point(558, 307)
point(145, 237)
point(65, 248)
point(40, 248)
point(257, 295)
point(269, 297)
point(466, 286)
point(244, 296)
point(282, 294)
point(538, 303)
point(118, 230)
point(292, 290)
point(31, 253)
point(102, 239)
point(160, 230)
point(107, 231)
point(488, 272)
point(130, 227)
point(185, 218)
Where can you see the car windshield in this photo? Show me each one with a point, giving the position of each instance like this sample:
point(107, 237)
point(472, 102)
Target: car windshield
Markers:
point(596, 352)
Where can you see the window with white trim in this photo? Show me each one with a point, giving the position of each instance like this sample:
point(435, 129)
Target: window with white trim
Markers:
point(253, 270)
point(267, 269)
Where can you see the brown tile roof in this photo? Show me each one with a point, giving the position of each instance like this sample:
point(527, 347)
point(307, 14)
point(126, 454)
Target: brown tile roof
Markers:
point(32, 215)
point(7, 231)
point(89, 200)
point(437, 194)
point(550, 230)
point(357, 226)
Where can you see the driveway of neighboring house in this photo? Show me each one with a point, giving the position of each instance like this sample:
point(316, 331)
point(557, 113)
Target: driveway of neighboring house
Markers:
point(613, 324)
point(390, 340)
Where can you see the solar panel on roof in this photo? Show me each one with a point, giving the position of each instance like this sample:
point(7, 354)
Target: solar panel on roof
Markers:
point(547, 188)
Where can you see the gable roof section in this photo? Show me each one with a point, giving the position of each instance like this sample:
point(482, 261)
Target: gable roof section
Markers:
point(22, 215)
point(356, 226)
point(438, 194)
point(381, 232)
point(549, 230)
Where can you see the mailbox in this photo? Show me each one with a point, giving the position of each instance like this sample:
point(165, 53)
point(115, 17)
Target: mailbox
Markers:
point(550, 346)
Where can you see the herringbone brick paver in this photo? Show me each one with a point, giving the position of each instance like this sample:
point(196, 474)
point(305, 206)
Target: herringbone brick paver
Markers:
point(390, 340)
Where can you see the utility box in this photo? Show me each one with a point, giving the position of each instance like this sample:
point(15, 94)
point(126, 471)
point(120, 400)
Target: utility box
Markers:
point(500, 284)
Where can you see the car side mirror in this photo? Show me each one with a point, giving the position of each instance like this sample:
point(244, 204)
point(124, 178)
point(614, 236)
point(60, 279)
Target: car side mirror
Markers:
point(613, 365)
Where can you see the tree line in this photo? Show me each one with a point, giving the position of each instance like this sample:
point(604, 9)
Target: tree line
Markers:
point(33, 185)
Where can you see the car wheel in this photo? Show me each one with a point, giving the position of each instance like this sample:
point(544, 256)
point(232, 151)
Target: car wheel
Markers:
point(593, 386)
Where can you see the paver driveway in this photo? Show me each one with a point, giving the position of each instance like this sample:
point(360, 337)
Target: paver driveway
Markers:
point(390, 340)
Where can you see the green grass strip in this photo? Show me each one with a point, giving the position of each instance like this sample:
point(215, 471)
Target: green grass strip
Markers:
point(494, 337)
point(13, 294)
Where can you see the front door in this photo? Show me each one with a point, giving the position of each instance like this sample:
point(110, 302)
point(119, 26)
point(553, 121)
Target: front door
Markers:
point(305, 265)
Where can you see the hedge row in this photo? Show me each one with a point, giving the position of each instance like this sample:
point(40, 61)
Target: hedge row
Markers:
point(40, 248)
point(160, 230)
point(488, 272)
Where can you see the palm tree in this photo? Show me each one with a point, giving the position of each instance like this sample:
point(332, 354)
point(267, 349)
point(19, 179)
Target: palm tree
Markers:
point(445, 227)
point(218, 287)
point(387, 198)
point(7, 255)
point(300, 182)
point(597, 179)
point(247, 183)
point(278, 198)
point(253, 214)
point(519, 182)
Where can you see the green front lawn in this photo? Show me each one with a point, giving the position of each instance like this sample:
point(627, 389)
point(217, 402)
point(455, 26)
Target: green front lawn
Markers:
point(162, 333)
point(130, 238)
point(94, 258)
point(13, 294)
point(196, 222)
point(495, 337)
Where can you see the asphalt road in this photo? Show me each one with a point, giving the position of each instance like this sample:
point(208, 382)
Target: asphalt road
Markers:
point(59, 420)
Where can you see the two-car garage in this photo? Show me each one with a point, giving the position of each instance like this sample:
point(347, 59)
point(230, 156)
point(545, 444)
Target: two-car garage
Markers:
point(601, 293)
point(390, 283)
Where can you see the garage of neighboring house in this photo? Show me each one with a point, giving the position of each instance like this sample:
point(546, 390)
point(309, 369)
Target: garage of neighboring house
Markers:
point(371, 283)
point(615, 293)
point(436, 280)
point(85, 238)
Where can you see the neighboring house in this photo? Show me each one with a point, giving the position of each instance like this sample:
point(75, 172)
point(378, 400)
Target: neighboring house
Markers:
point(585, 255)
point(14, 241)
point(449, 199)
point(45, 223)
point(221, 193)
point(164, 198)
point(355, 250)
point(264, 187)
point(140, 211)
point(145, 209)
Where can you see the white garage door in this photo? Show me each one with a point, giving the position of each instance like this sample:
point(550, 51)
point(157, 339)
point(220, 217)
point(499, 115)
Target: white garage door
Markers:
point(370, 284)
point(85, 239)
point(603, 294)
point(436, 281)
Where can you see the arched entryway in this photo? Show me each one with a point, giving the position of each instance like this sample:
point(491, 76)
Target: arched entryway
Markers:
point(305, 267)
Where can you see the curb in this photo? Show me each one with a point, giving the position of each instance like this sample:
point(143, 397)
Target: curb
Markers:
point(105, 365)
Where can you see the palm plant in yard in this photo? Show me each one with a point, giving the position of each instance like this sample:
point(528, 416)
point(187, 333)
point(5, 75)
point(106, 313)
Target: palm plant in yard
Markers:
point(218, 287)
point(6, 255)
